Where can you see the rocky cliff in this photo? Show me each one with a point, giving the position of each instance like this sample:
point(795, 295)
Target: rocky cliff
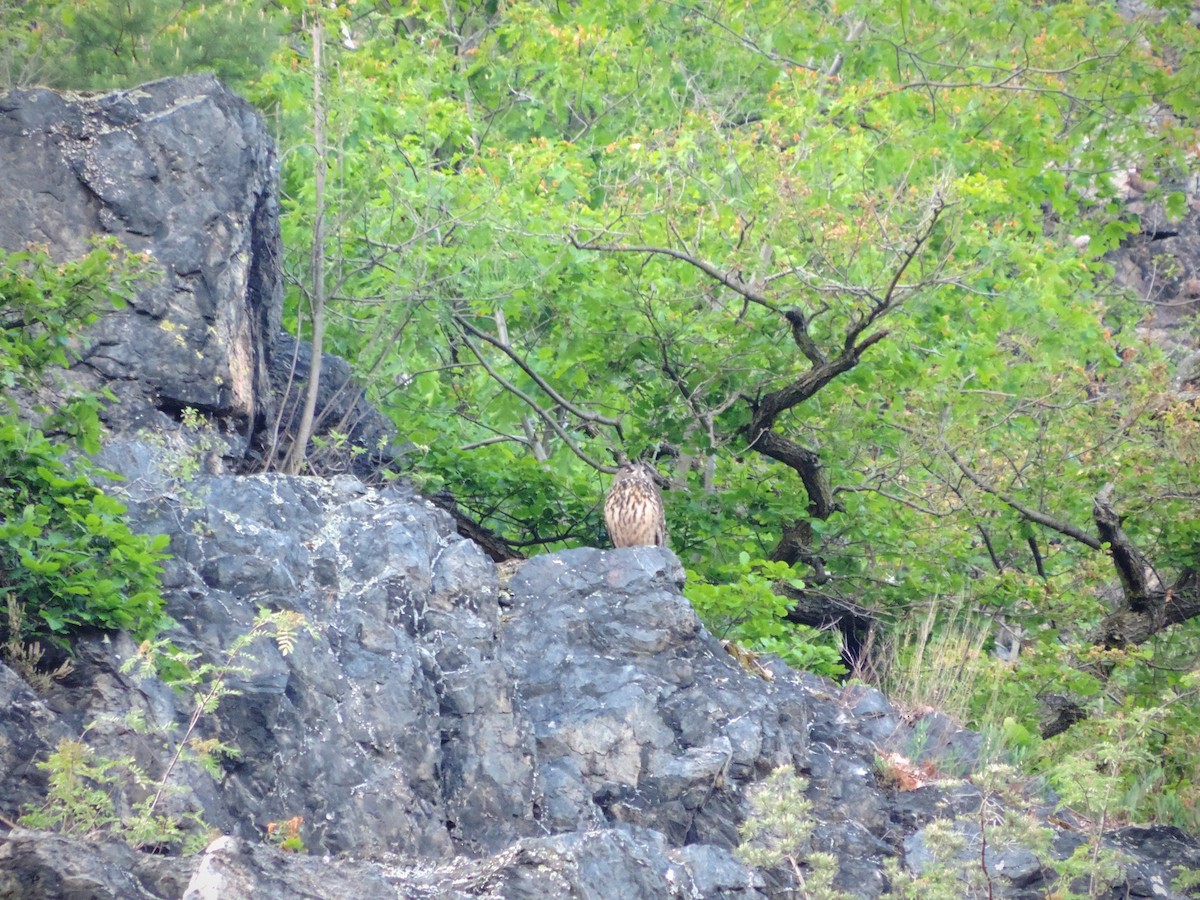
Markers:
point(567, 729)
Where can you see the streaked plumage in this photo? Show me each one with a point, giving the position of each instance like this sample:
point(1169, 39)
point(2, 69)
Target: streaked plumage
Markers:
point(633, 511)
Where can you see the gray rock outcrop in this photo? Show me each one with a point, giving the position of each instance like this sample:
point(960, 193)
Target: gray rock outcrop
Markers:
point(1161, 264)
point(183, 171)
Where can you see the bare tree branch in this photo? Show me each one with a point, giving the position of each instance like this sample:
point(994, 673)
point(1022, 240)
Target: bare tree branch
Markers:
point(839, 59)
point(750, 44)
point(771, 406)
point(1148, 608)
point(1131, 565)
point(892, 297)
point(894, 498)
point(541, 382)
point(543, 414)
point(1130, 627)
point(731, 281)
point(495, 439)
point(1005, 77)
point(858, 338)
point(1033, 515)
point(294, 462)
point(802, 337)
point(853, 344)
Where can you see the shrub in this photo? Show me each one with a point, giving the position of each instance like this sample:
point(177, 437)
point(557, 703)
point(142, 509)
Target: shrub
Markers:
point(66, 554)
point(91, 795)
point(65, 549)
point(747, 608)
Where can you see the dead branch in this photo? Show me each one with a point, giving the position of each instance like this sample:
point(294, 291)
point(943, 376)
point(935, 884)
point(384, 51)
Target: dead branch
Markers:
point(496, 439)
point(558, 398)
point(493, 545)
point(542, 413)
point(730, 280)
point(1026, 512)
point(894, 498)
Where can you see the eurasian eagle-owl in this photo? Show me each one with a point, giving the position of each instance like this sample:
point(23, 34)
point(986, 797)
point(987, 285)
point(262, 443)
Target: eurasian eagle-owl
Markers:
point(633, 511)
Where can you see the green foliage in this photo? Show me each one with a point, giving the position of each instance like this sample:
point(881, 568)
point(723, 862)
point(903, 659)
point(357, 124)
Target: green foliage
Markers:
point(43, 303)
point(82, 799)
point(748, 608)
point(777, 831)
point(286, 835)
point(480, 153)
point(65, 549)
point(493, 170)
point(97, 44)
point(781, 823)
point(27, 52)
point(963, 852)
point(942, 657)
point(66, 554)
point(1186, 880)
point(1134, 757)
point(948, 877)
point(438, 165)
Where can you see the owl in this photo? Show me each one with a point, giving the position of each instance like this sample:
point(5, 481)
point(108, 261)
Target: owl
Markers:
point(633, 511)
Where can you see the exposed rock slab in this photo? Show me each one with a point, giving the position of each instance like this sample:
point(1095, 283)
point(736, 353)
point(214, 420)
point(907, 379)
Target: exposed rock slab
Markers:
point(184, 171)
point(589, 719)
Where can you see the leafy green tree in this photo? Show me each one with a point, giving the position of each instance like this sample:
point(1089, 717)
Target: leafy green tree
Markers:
point(840, 271)
point(66, 554)
point(29, 50)
point(99, 44)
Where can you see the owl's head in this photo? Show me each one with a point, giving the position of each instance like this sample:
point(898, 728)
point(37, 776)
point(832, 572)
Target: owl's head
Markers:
point(634, 471)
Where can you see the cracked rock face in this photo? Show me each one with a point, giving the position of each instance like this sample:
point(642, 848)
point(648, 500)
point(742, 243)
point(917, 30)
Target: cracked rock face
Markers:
point(573, 733)
point(409, 724)
point(373, 728)
point(425, 719)
point(184, 171)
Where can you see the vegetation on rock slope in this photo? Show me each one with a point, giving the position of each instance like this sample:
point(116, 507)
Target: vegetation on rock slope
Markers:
point(839, 270)
point(67, 558)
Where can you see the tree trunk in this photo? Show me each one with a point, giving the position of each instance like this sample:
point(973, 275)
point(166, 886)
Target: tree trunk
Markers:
point(297, 454)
